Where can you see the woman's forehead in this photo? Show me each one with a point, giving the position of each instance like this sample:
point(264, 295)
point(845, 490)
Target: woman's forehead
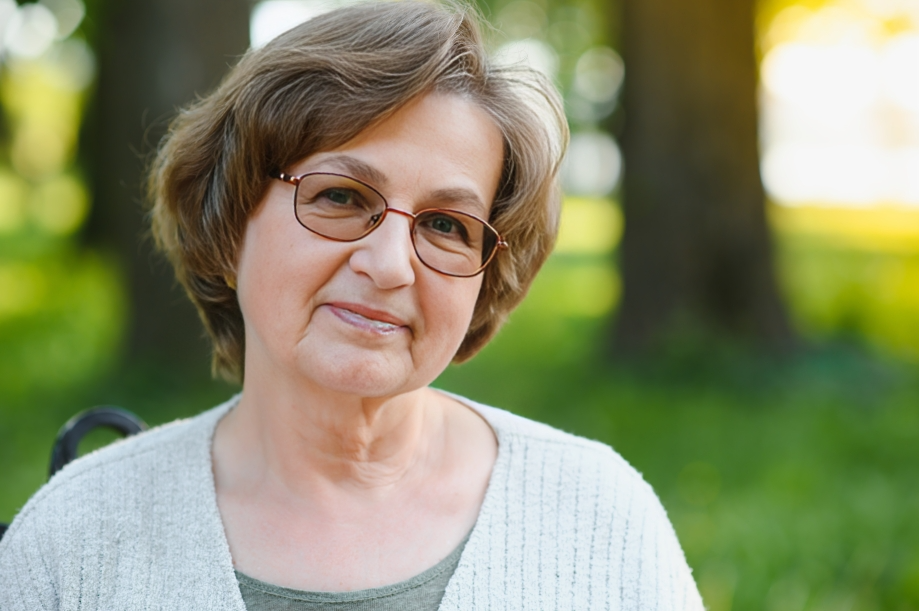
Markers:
point(443, 145)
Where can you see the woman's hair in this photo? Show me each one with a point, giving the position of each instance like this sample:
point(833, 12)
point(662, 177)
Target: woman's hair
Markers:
point(315, 88)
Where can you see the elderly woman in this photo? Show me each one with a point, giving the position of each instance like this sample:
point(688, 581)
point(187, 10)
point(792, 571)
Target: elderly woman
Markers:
point(361, 202)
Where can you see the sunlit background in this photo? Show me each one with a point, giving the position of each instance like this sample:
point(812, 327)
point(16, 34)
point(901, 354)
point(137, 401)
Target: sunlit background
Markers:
point(839, 101)
point(840, 104)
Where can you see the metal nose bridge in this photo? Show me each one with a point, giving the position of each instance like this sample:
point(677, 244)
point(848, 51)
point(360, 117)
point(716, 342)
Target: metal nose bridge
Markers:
point(410, 215)
point(411, 225)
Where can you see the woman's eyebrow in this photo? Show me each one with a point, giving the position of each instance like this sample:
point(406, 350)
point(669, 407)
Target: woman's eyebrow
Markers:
point(461, 195)
point(358, 169)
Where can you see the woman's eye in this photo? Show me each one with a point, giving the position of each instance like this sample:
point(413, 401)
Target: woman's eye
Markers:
point(340, 196)
point(440, 226)
point(443, 224)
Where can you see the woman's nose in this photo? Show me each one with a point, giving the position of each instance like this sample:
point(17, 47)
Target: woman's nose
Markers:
point(387, 255)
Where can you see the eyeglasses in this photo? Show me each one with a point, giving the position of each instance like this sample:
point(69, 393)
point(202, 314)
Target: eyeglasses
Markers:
point(345, 209)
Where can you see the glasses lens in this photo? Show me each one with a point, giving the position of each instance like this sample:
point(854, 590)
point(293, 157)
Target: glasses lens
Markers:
point(337, 207)
point(453, 242)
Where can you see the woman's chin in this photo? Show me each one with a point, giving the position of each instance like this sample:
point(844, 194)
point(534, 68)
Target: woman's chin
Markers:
point(358, 372)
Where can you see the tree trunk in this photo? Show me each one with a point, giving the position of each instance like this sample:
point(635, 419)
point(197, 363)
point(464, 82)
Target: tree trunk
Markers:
point(696, 253)
point(154, 56)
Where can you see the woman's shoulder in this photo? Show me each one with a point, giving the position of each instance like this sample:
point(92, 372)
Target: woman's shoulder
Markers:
point(157, 462)
point(545, 445)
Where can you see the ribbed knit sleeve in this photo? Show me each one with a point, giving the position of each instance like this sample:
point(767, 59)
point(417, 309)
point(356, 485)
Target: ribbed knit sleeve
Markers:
point(27, 580)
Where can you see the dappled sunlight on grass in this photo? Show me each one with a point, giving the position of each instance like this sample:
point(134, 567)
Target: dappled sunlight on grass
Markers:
point(891, 230)
point(61, 320)
point(852, 274)
point(589, 226)
point(587, 289)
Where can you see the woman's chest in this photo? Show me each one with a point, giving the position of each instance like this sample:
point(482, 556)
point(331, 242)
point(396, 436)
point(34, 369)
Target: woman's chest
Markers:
point(353, 546)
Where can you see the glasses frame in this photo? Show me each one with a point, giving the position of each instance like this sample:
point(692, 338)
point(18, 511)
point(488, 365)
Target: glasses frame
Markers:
point(500, 243)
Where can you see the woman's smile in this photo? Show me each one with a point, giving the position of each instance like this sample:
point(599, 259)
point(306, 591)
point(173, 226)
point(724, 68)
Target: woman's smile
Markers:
point(367, 319)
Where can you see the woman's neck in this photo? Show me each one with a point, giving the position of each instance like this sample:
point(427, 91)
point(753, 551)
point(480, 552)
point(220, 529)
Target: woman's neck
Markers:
point(302, 439)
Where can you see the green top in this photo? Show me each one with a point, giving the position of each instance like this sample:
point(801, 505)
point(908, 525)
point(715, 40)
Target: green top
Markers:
point(420, 593)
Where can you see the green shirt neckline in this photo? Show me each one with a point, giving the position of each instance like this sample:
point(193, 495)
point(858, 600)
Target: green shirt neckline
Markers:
point(423, 585)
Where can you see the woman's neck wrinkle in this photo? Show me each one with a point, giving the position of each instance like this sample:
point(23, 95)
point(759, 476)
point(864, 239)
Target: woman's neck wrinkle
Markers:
point(371, 447)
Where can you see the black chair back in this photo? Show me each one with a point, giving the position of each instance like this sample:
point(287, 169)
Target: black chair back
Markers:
point(68, 439)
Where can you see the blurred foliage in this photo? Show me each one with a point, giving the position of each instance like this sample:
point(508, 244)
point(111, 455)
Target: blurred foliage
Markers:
point(571, 42)
point(62, 307)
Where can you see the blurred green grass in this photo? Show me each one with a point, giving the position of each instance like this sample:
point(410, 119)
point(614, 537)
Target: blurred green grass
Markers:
point(792, 483)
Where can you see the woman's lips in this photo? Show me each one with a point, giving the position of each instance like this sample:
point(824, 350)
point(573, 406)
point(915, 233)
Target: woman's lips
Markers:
point(367, 318)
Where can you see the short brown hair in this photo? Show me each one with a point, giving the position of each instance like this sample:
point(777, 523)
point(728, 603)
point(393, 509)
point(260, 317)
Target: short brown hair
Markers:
point(318, 86)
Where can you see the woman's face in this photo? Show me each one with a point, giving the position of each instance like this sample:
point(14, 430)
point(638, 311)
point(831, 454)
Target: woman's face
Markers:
point(368, 318)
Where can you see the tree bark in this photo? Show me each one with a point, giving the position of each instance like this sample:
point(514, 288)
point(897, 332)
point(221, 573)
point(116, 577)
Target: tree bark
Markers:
point(696, 253)
point(154, 56)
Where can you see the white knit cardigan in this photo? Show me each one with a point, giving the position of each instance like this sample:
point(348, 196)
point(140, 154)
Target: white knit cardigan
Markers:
point(566, 523)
